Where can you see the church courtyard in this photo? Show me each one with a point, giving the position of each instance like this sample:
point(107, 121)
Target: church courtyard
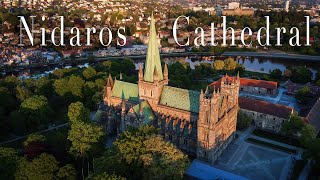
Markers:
point(255, 161)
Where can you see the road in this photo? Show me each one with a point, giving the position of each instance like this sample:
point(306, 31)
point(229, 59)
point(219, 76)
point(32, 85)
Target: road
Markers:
point(42, 131)
point(274, 55)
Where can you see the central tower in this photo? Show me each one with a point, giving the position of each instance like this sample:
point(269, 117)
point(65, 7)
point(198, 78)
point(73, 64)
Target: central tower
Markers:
point(151, 82)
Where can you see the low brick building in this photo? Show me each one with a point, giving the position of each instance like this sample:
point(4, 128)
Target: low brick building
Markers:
point(293, 87)
point(265, 115)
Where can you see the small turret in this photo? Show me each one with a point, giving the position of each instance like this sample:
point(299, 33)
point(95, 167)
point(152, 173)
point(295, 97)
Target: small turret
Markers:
point(109, 81)
point(140, 73)
point(123, 107)
point(155, 75)
point(207, 91)
point(201, 95)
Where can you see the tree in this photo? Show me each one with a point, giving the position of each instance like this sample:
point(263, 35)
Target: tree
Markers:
point(230, 64)
point(308, 134)
point(11, 82)
point(89, 90)
point(218, 65)
point(100, 84)
point(240, 69)
point(78, 113)
point(243, 121)
point(318, 83)
point(142, 154)
point(276, 74)
point(104, 176)
point(312, 152)
point(69, 86)
point(83, 135)
point(34, 138)
point(22, 93)
point(18, 123)
point(303, 95)
point(7, 105)
point(8, 162)
point(301, 75)
point(67, 172)
point(43, 87)
point(44, 166)
point(36, 111)
point(293, 126)
point(89, 73)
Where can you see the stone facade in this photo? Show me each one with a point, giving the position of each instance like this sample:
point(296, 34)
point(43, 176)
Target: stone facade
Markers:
point(258, 90)
point(265, 121)
point(199, 123)
point(264, 115)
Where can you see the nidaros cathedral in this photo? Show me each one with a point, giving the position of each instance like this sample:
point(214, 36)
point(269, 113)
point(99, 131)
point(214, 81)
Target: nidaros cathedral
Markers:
point(199, 123)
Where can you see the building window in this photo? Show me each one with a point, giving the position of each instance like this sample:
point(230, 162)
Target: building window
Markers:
point(151, 93)
point(208, 117)
point(206, 136)
point(241, 89)
point(185, 142)
point(269, 91)
point(205, 153)
point(170, 137)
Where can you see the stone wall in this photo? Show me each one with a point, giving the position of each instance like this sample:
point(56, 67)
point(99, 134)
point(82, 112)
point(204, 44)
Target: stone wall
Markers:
point(265, 121)
point(258, 90)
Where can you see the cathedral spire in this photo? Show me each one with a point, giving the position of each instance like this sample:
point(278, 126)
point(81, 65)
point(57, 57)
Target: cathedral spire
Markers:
point(153, 56)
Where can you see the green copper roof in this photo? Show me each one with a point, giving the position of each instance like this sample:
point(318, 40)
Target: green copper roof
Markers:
point(153, 56)
point(180, 98)
point(125, 90)
point(147, 112)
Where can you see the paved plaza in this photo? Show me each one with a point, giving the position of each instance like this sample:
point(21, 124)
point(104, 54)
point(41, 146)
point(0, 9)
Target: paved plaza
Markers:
point(255, 161)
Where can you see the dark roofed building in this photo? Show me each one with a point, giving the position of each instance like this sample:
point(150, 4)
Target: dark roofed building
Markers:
point(265, 115)
point(293, 87)
point(314, 115)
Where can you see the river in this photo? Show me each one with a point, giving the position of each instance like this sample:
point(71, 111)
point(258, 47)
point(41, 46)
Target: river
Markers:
point(264, 65)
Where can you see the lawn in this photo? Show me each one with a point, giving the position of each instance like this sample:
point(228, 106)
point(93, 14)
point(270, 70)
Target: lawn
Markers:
point(277, 137)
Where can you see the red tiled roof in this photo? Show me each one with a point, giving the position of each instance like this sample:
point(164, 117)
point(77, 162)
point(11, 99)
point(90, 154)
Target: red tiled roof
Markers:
point(277, 110)
point(258, 83)
point(248, 82)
